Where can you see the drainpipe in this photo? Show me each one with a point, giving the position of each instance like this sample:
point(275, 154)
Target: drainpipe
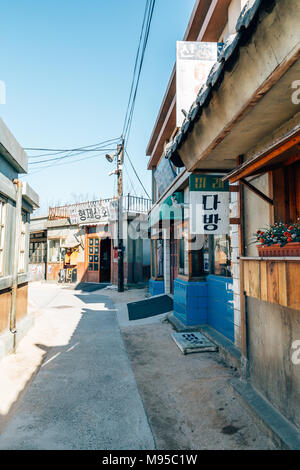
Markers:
point(18, 220)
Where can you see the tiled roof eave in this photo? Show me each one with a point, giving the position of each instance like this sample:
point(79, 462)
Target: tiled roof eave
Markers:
point(226, 60)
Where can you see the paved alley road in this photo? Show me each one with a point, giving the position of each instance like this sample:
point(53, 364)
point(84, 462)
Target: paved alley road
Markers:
point(73, 385)
point(84, 395)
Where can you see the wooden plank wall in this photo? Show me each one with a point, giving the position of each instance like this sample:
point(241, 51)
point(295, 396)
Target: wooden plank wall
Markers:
point(273, 281)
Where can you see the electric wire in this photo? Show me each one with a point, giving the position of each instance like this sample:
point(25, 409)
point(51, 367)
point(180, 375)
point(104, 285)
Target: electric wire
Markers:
point(56, 151)
point(64, 163)
point(149, 8)
point(75, 152)
point(69, 156)
point(135, 172)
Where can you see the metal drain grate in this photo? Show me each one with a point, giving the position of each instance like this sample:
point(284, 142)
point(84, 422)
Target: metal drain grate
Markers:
point(193, 342)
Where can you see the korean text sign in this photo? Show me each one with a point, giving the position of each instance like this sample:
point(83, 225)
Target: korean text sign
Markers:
point(209, 205)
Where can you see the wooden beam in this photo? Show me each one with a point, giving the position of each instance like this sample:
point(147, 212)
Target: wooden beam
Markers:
point(235, 221)
point(243, 311)
point(257, 163)
point(257, 192)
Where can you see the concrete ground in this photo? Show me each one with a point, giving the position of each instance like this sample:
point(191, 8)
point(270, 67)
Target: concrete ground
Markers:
point(74, 385)
point(189, 402)
point(84, 394)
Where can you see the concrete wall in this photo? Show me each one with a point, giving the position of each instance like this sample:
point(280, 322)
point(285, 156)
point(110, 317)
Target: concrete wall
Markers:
point(257, 213)
point(272, 329)
point(37, 272)
point(13, 159)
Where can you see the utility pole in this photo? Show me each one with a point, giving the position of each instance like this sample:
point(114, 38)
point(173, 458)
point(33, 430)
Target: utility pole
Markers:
point(120, 217)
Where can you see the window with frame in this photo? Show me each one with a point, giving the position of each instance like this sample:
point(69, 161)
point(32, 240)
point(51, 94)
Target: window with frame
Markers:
point(221, 255)
point(37, 252)
point(286, 193)
point(157, 258)
point(183, 249)
point(94, 254)
point(22, 249)
point(2, 234)
point(54, 255)
point(190, 253)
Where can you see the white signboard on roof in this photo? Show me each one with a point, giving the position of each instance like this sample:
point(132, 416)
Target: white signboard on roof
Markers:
point(194, 61)
point(94, 212)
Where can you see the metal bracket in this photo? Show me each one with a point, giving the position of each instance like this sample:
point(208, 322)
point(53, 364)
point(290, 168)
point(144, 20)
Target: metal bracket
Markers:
point(257, 191)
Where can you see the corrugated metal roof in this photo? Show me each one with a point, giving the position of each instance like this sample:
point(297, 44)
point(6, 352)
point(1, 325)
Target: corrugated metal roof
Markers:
point(226, 60)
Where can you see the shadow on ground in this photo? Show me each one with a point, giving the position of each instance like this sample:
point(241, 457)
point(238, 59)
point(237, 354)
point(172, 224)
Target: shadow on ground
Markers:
point(84, 395)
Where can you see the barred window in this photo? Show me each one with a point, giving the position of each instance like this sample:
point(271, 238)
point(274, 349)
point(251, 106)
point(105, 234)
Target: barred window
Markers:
point(37, 252)
point(2, 233)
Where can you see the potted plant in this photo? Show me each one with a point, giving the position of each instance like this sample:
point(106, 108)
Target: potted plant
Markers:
point(279, 240)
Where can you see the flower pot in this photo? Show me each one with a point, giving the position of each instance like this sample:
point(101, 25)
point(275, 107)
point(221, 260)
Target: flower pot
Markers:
point(290, 249)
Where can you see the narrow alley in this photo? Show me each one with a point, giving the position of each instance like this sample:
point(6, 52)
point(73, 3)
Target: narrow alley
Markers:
point(74, 383)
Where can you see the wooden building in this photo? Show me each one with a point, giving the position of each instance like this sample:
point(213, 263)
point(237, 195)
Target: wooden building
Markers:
point(17, 202)
point(247, 117)
point(199, 270)
point(83, 242)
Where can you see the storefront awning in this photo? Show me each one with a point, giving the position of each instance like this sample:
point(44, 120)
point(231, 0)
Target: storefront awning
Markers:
point(283, 152)
point(70, 242)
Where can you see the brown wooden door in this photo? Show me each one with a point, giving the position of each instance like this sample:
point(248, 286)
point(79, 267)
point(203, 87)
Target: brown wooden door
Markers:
point(93, 259)
point(105, 260)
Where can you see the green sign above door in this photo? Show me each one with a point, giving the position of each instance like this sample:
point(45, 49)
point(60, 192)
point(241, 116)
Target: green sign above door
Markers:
point(201, 182)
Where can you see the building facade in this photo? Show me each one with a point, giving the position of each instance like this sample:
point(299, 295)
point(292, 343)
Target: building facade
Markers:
point(245, 124)
point(199, 270)
point(17, 202)
point(82, 239)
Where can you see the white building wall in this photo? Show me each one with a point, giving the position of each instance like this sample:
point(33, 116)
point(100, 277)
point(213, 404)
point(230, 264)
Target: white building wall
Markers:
point(234, 212)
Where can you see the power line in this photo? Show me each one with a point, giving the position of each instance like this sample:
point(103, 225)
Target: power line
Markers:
point(65, 163)
point(130, 180)
point(88, 148)
point(139, 60)
point(70, 155)
point(149, 8)
point(135, 172)
point(135, 65)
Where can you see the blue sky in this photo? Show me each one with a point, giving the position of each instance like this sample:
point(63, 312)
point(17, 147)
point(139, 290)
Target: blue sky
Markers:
point(67, 66)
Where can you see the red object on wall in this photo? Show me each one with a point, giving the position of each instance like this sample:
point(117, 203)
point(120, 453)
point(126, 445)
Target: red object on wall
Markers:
point(290, 249)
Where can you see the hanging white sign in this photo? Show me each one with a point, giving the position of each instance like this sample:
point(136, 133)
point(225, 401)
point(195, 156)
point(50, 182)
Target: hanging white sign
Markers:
point(94, 212)
point(209, 205)
point(194, 61)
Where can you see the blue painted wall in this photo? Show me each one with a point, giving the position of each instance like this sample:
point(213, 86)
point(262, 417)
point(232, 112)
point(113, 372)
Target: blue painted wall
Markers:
point(210, 302)
point(156, 287)
point(220, 305)
point(190, 302)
